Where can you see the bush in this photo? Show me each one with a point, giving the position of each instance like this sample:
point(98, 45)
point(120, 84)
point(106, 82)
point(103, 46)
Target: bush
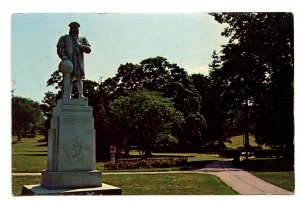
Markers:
point(146, 163)
point(229, 153)
point(268, 153)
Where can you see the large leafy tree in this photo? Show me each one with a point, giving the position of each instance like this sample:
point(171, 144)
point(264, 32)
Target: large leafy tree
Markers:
point(143, 119)
point(215, 132)
point(158, 75)
point(257, 74)
point(27, 116)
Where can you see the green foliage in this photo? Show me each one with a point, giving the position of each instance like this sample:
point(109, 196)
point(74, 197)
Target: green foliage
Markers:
point(143, 119)
point(211, 109)
point(158, 75)
point(146, 163)
point(152, 74)
point(230, 153)
point(27, 116)
point(256, 76)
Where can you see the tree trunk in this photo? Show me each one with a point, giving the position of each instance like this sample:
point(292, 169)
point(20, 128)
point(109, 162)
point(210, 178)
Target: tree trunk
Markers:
point(19, 136)
point(148, 153)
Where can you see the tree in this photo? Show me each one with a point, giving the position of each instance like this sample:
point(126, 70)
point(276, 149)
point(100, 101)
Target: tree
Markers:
point(158, 75)
point(211, 109)
point(26, 116)
point(143, 119)
point(48, 102)
point(257, 72)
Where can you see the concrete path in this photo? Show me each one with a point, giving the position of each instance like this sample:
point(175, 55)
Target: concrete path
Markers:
point(242, 181)
point(238, 179)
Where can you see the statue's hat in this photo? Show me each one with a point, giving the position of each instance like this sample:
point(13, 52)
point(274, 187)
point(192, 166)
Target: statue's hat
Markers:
point(74, 24)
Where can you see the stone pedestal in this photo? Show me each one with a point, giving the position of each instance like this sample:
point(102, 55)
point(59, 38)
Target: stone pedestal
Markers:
point(71, 148)
point(74, 179)
point(71, 165)
point(71, 139)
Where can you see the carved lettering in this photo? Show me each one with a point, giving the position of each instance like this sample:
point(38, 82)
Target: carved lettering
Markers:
point(75, 120)
point(85, 110)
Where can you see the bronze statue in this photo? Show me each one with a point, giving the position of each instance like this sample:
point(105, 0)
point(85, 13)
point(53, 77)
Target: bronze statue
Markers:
point(70, 49)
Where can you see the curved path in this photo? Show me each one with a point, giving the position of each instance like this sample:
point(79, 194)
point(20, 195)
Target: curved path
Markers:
point(242, 181)
point(238, 179)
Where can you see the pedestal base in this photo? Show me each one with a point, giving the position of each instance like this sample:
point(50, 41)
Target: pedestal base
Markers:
point(74, 179)
point(105, 189)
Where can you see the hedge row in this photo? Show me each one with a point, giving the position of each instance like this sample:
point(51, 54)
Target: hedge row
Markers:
point(146, 163)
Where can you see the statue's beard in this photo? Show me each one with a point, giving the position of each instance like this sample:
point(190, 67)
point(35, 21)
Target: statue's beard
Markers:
point(75, 33)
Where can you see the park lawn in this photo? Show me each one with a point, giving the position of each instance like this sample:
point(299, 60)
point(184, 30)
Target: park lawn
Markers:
point(29, 155)
point(161, 184)
point(237, 141)
point(283, 179)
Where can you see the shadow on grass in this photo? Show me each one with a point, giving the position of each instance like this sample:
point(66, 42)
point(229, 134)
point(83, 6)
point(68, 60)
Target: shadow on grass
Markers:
point(30, 154)
point(268, 164)
point(42, 145)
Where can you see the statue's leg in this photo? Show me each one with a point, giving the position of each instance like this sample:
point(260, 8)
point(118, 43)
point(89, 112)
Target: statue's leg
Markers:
point(80, 88)
point(70, 89)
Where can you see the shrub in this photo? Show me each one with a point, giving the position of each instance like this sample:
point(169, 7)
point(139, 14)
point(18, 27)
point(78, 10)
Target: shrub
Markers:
point(229, 153)
point(145, 163)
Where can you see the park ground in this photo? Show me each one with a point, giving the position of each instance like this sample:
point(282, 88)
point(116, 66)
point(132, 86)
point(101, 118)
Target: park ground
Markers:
point(30, 156)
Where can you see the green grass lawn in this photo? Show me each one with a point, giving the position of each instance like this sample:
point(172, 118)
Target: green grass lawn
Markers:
point(156, 184)
point(285, 180)
point(29, 155)
point(237, 141)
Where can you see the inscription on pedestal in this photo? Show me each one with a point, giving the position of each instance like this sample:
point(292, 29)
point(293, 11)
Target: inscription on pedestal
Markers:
point(75, 120)
point(81, 110)
point(73, 145)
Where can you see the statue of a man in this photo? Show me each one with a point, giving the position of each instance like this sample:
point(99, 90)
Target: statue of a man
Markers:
point(71, 47)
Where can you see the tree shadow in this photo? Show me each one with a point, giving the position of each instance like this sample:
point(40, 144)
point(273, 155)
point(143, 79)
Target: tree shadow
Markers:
point(42, 145)
point(268, 164)
point(30, 154)
point(193, 165)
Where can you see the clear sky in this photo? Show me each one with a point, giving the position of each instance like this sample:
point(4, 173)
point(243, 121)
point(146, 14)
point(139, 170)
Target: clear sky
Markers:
point(187, 39)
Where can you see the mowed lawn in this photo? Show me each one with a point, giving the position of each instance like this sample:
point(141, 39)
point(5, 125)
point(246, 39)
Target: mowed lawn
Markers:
point(169, 184)
point(237, 141)
point(284, 179)
point(156, 184)
point(29, 155)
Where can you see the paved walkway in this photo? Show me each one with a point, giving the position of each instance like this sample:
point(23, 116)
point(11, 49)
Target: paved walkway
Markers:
point(242, 181)
point(238, 179)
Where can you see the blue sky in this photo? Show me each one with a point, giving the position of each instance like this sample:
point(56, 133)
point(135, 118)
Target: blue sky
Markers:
point(187, 39)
